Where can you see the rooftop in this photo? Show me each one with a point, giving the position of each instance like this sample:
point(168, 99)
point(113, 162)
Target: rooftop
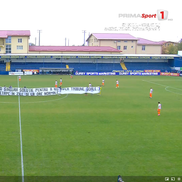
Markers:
point(72, 49)
point(148, 42)
point(113, 36)
point(6, 33)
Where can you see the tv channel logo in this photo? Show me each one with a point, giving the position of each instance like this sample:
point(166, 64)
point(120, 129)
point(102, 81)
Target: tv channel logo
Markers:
point(162, 14)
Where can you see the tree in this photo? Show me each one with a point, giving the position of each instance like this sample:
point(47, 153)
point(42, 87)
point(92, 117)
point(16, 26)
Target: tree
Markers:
point(172, 49)
point(180, 46)
point(31, 44)
point(164, 50)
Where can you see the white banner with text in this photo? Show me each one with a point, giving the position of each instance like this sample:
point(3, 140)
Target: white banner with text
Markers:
point(14, 91)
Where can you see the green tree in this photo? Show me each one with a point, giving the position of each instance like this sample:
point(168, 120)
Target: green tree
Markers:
point(180, 46)
point(164, 50)
point(31, 44)
point(172, 49)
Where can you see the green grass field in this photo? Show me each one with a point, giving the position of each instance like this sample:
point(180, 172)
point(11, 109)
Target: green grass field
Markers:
point(116, 133)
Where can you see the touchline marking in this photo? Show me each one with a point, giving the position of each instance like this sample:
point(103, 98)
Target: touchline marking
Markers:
point(21, 146)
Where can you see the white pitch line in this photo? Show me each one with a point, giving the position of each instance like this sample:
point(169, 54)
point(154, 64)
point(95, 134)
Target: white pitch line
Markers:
point(35, 101)
point(155, 83)
point(166, 86)
point(161, 84)
point(172, 91)
point(21, 146)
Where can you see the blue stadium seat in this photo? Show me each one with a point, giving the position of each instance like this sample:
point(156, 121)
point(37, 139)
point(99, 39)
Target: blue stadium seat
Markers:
point(2, 66)
point(163, 66)
point(91, 67)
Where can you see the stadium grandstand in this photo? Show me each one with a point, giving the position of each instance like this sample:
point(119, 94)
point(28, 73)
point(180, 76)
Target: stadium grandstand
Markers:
point(17, 55)
point(71, 63)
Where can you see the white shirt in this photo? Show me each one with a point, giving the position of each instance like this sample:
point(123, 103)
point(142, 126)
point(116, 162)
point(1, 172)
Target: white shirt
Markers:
point(102, 81)
point(56, 82)
point(151, 90)
point(159, 106)
point(117, 82)
point(60, 80)
point(90, 84)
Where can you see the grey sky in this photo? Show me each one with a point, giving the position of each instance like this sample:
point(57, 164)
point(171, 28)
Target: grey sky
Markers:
point(60, 19)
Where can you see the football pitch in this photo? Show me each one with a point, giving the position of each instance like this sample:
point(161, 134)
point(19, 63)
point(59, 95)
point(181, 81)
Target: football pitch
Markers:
point(117, 133)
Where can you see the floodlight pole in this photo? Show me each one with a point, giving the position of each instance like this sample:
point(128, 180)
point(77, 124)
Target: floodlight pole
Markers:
point(40, 31)
point(84, 31)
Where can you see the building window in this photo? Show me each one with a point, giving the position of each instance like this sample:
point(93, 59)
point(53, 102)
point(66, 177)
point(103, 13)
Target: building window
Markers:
point(8, 40)
point(19, 40)
point(0, 48)
point(118, 47)
point(125, 41)
point(132, 41)
point(131, 46)
point(125, 48)
point(8, 48)
point(143, 48)
point(19, 47)
point(119, 41)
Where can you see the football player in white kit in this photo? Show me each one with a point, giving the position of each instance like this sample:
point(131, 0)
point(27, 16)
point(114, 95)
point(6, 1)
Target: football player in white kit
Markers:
point(151, 90)
point(117, 84)
point(159, 108)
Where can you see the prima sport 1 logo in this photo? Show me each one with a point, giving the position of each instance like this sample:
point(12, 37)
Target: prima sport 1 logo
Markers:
point(162, 14)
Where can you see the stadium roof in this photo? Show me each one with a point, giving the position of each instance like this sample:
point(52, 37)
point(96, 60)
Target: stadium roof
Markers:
point(6, 33)
point(93, 55)
point(148, 42)
point(113, 36)
point(72, 49)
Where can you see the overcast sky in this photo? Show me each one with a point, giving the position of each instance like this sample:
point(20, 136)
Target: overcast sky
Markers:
point(60, 19)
